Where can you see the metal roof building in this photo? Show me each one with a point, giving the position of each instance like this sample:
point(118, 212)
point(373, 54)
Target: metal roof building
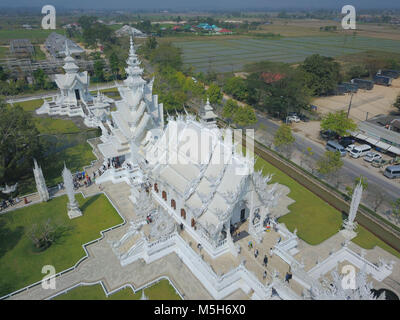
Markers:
point(55, 45)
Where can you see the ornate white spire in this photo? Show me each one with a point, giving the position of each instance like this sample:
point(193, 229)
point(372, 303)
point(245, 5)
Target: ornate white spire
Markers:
point(133, 69)
point(69, 66)
point(349, 224)
point(40, 182)
point(73, 208)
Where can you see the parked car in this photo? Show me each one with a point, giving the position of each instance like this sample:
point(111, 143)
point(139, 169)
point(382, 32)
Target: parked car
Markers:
point(392, 172)
point(328, 134)
point(346, 141)
point(350, 147)
point(304, 118)
point(336, 147)
point(293, 119)
point(360, 151)
point(372, 156)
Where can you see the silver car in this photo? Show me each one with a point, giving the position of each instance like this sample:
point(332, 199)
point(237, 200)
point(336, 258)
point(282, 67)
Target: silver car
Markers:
point(371, 156)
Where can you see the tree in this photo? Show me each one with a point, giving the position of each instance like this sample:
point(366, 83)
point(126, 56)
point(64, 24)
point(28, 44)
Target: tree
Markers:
point(237, 88)
point(214, 94)
point(396, 104)
point(19, 143)
point(306, 157)
point(284, 139)
point(376, 197)
point(322, 74)
point(357, 72)
point(166, 55)
point(99, 70)
point(364, 184)
point(244, 116)
point(114, 63)
point(396, 208)
point(338, 122)
point(329, 164)
point(229, 109)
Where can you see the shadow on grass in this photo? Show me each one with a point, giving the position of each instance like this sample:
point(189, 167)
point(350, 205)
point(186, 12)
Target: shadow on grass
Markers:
point(9, 238)
point(89, 201)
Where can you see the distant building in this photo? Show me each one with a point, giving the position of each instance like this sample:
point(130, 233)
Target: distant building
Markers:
point(21, 48)
point(55, 45)
point(129, 31)
point(270, 77)
point(381, 132)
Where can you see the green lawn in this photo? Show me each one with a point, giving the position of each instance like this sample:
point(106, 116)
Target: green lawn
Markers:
point(3, 52)
point(55, 126)
point(314, 219)
point(159, 291)
point(30, 105)
point(35, 35)
point(39, 54)
point(21, 264)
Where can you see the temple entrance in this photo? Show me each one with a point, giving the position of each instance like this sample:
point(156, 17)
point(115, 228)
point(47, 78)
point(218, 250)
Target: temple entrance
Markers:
point(243, 215)
point(183, 214)
point(77, 94)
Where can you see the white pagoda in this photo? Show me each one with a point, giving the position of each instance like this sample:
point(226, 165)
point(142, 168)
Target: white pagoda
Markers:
point(207, 114)
point(74, 98)
point(40, 183)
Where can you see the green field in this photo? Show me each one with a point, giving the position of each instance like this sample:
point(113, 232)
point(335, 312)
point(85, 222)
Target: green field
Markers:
point(35, 35)
point(314, 219)
point(3, 52)
point(162, 290)
point(225, 55)
point(21, 264)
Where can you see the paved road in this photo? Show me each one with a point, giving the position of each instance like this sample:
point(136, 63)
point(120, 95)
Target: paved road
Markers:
point(350, 171)
point(53, 93)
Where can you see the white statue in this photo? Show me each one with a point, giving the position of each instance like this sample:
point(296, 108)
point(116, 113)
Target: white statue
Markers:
point(40, 183)
point(349, 224)
point(73, 208)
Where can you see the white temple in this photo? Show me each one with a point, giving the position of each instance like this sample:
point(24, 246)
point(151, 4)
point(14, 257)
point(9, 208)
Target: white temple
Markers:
point(74, 98)
point(191, 186)
point(40, 182)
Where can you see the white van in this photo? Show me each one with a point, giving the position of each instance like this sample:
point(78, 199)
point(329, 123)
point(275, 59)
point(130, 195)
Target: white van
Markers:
point(392, 172)
point(334, 146)
point(360, 151)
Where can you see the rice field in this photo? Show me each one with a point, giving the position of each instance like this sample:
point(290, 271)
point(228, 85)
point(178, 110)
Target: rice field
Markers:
point(227, 55)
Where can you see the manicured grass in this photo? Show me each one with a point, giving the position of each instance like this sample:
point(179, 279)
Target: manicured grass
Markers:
point(314, 219)
point(3, 52)
point(55, 126)
point(30, 105)
point(35, 35)
point(21, 264)
point(39, 54)
point(367, 240)
point(159, 291)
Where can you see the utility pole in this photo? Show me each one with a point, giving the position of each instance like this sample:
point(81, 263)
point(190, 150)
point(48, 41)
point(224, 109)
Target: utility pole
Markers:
point(351, 99)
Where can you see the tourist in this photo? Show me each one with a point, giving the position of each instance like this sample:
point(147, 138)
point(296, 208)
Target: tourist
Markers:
point(288, 276)
point(271, 252)
point(25, 200)
point(265, 274)
point(17, 200)
point(250, 245)
point(265, 261)
point(256, 253)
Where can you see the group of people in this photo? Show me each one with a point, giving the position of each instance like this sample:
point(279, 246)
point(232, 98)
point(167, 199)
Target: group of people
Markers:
point(10, 202)
point(83, 176)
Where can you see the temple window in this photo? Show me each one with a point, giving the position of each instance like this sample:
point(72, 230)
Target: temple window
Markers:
point(183, 214)
point(164, 195)
point(156, 187)
point(173, 204)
